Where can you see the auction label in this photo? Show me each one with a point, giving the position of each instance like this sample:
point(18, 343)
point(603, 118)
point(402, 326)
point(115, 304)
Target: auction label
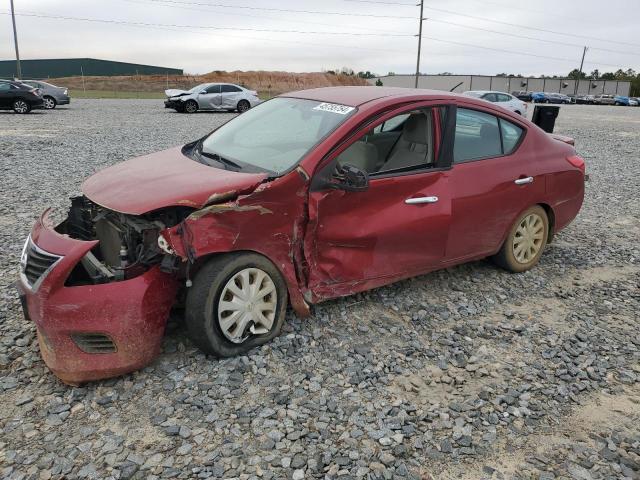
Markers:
point(334, 108)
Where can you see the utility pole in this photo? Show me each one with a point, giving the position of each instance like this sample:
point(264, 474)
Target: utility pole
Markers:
point(419, 42)
point(15, 41)
point(584, 52)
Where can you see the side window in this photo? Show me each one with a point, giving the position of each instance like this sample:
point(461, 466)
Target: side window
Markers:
point(402, 143)
point(477, 136)
point(213, 89)
point(511, 134)
point(230, 89)
point(504, 98)
point(489, 97)
point(5, 87)
point(391, 124)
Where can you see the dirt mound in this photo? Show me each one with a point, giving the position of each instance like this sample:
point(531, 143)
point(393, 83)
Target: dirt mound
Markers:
point(269, 82)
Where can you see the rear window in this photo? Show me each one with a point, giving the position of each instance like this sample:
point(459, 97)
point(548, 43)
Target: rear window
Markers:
point(482, 135)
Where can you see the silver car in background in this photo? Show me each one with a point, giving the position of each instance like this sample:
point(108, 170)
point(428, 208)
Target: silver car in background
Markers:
point(51, 94)
point(212, 96)
point(500, 98)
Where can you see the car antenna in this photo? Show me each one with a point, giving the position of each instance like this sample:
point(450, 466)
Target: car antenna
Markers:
point(456, 86)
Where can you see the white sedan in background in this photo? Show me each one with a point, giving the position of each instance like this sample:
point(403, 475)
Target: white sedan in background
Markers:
point(503, 99)
point(212, 96)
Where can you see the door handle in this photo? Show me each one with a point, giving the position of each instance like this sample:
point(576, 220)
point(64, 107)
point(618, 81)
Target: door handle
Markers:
point(523, 181)
point(419, 200)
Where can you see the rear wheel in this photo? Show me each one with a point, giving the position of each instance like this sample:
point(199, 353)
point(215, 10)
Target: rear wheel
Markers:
point(237, 302)
point(191, 106)
point(243, 106)
point(21, 106)
point(525, 242)
point(49, 103)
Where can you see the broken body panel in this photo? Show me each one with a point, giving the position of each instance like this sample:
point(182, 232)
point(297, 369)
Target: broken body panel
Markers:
point(183, 212)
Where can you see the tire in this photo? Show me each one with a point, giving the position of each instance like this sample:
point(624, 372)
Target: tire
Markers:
point(243, 106)
point(191, 106)
point(515, 259)
point(21, 106)
point(210, 288)
point(49, 103)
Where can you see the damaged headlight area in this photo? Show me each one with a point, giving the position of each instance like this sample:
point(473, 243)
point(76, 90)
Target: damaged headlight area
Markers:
point(128, 245)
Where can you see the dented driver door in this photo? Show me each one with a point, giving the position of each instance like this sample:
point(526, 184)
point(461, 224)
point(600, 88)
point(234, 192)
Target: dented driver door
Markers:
point(395, 229)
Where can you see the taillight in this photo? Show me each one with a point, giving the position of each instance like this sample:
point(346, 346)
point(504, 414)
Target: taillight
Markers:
point(578, 162)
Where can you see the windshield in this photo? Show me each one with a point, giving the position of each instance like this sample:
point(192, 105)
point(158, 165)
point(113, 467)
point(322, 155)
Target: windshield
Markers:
point(275, 135)
point(197, 88)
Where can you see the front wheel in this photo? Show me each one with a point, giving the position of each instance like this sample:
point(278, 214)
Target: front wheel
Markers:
point(243, 106)
point(237, 302)
point(49, 103)
point(21, 106)
point(191, 106)
point(525, 242)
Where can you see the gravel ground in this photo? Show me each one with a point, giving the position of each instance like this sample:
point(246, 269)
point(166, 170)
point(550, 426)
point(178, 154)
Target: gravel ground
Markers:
point(469, 372)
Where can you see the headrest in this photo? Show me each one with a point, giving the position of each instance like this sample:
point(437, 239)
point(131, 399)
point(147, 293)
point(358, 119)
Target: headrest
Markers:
point(415, 129)
point(488, 131)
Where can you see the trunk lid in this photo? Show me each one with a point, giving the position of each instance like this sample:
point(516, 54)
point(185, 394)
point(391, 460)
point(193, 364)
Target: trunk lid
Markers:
point(164, 179)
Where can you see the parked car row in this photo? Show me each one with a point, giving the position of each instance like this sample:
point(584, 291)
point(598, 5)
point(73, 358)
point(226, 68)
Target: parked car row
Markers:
point(602, 99)
point(212, 96)
point(25, 95)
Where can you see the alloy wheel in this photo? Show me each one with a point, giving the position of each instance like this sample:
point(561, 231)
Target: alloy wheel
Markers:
point(20, 106)
point(49, 103)
point(247, 305)
point(191, 107)
point(243, 107)
point(528, 239)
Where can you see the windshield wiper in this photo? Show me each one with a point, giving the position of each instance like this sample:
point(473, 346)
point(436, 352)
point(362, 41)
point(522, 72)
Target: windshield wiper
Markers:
point(218, 158)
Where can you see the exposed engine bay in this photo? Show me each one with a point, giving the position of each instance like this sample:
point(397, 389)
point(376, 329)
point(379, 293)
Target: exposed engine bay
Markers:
point(128, 244)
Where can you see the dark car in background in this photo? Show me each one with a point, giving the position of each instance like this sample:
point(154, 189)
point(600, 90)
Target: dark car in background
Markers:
point(586, 99)
point(558, 98)
point(51, 94)
point(523, 95)
point(19, 97)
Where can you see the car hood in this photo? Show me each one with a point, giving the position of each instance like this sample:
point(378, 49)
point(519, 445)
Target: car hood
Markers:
point(164, 179)
point(172, 92)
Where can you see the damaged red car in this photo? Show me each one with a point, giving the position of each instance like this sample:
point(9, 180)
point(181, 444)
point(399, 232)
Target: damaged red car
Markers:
point(310, 196)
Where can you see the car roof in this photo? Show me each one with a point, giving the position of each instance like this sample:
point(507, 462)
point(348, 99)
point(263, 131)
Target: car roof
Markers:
point(355, 96)
point(486, 91)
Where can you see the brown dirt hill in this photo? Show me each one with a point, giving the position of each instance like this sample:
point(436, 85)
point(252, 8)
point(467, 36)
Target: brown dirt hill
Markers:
point(272, 83)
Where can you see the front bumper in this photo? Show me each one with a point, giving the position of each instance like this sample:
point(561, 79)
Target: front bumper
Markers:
point(175, 104)
point(63, 99)
point(91, 332)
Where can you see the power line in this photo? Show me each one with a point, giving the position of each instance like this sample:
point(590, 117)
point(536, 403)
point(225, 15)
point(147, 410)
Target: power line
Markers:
point(385, 3)
point(244, 15)
point(515, 52)
point(281, 10)
point(531, 28)
point(208, 27)
point(555, 42)
point(262, 39)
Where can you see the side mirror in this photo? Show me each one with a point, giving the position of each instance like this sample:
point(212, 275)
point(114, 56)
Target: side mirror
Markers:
point(349, 178)
point(203, 92)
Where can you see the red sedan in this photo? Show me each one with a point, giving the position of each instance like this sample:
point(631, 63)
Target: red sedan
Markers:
point(309, 196)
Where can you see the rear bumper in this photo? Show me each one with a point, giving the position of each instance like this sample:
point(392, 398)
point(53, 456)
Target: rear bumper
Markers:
point(129, 315)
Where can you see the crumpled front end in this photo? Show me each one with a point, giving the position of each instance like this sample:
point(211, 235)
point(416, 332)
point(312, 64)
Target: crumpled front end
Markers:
point(95, 290)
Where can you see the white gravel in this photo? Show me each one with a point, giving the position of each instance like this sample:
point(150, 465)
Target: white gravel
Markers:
point(469, 372)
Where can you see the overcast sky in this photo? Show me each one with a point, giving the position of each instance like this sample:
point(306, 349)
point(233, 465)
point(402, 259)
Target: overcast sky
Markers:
point(610, 27)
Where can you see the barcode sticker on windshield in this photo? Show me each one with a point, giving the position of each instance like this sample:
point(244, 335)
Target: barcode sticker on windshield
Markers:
point(334, 108)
